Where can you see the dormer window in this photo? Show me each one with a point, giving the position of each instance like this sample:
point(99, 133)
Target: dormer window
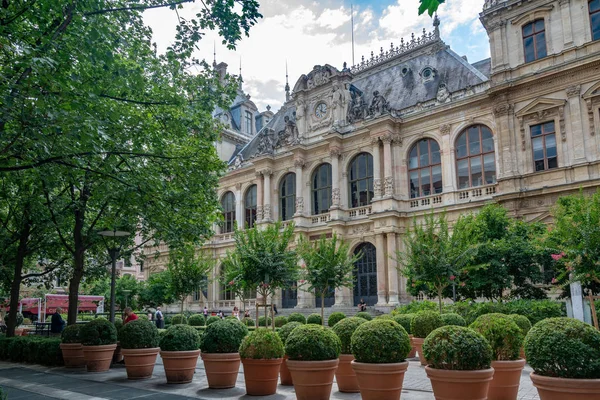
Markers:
point(248, 124)
point(594, 7)
point(534, 40)
point(427, 74)
point(405, 70)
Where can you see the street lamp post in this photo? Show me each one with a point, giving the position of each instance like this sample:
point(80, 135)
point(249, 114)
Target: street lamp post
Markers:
point(113, 251)
point(126, 293)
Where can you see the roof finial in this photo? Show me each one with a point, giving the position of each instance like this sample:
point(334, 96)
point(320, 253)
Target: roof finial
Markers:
point(214, 54)
point(287, 84)
point(436, 24)
point(240, 77)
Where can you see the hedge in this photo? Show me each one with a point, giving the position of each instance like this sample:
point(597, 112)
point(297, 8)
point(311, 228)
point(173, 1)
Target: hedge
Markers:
point(31, 349)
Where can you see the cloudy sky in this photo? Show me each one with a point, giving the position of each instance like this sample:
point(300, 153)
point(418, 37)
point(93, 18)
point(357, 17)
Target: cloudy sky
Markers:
point(306, 33)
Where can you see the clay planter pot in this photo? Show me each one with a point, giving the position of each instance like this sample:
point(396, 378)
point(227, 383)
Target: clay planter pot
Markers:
point(312, 379)
point(221, 369)
point(73, 355)
point(380, 381)
point(507, 376)
point(118, 356)
point(139, 363)
point(284, 373)
point(261, 376)
point(180, 365)
point(345, 376)
point(417, 344)
point(566, 389)
point(98, 358)
point(413, 349)
point(460, 385)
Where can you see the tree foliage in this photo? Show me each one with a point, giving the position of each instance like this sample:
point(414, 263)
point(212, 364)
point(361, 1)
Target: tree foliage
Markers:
point(188, 271)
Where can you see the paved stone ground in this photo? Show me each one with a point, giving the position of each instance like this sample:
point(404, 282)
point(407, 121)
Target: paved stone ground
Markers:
point(34, 382)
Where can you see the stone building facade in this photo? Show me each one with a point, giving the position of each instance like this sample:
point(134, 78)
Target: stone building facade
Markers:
point(360, 151)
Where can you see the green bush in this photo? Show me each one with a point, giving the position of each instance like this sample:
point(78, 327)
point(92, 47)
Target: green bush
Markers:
point(142, 317)
point(404, 320)
point(564, 348)
point(246, 321)
point(223, 336)
point(364, 315)
point(380, 341)
point(534, 310)
point(262, 321)
point(314, 319)
point(179, 338)
point(344, 330)
point(502, 333)
point(285, 330)
point(457, 348)
point(196, 320)
point(453, 319)
point(334, 318)
point(425, 322)
point(263, 344)
point(31, 349)
point(118, 325)
point(522, 322)
point(297, 317)
point(179, 319)
point(26, 321)
point(212, 319)
point(139, 334)
point(415, 306)
point(312, 343)
point(97, 333)
point(71, 334)
point(280, 321)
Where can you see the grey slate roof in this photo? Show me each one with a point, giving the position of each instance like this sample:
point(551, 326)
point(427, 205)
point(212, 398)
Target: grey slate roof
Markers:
point(484, 66)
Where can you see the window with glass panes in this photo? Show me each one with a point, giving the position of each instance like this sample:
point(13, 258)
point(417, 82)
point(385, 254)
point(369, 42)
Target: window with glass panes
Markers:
point(534, 40)
point(475, 160)
point(226, 292)
point(321, 189)
point(425, 169)
point(594, 7)
point(287, 197)
point(228, 205)
point(543, 143)
point(360, 180)
point(248, 122)
point(250, 207)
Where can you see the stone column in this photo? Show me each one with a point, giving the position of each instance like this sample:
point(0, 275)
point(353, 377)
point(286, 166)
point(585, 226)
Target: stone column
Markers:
point(504, 137)
point(576, 137)
point(259, 197)
point(239, 206)
point(267, 195)
point(392, 269)
point(565, 14)
point(343, 297)
point(377, 193)
point(381, 275)
point(388, 166)
point(299, 164)
point(335, 154)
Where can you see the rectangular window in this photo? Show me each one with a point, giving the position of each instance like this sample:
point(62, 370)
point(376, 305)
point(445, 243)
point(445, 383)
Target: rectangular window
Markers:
point(594, 7)
point(543, 145)
point(534, 40)
point(249, 122)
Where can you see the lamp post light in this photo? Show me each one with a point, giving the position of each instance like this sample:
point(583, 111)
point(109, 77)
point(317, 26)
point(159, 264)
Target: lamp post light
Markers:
point(113, 251)
point(126, 293)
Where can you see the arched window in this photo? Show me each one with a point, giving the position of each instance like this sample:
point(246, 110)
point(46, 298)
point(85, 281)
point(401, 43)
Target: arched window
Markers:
point(425, 169)
point(475, 162)
point(534, 40)
point(287, 196)
point(250, 207)
point(228, 205)
point(360, 180)
point(594, 7)
point(321, 189)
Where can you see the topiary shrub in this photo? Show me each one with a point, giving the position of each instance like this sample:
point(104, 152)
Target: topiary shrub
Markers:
point(285, 330)
point(314, 319)
point(71, 334)
point(263, 344)
point(143, 317)
point(415, 306)
point(246, 321)
point(312, 343)
point(98, 332)
point(196, 320)
point(404, 321)
point(297, 317)
point(212, 319)
point(26, 321)
point(180, 338)
point(139, 334)
point(262, 321)
point(334, 318)
point(564, 348)
point(118, 325)
point(223, 337)
point(457, 348)
point(179, 319)
point(280, 321)
point(344, 330)
point(453, 319)
point(522, 322)
point(380, 341)
point(425, 322)
point(364, 315)
point(502, 334)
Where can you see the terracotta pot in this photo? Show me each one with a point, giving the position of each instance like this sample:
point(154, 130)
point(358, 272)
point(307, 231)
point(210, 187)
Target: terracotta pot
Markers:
point(460, 385)
point(284, 373)
point(261, 376)
point(73, 355)
point(380, 381)
point(312, 379)
point(221, 369)
point(507, 376)
point(345, 376)
point(418, 346)
point(180, 365)
point(413, 349)
point(566, 389)
point(139, 363)
point(98, 358)
point(118, 356)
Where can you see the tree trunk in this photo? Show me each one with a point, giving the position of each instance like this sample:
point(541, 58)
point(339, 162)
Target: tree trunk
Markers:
point(74, 282)
point(15, 288)
point(440, 290)
point(323, 308)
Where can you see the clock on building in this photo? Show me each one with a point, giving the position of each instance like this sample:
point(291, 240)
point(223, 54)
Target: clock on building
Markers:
point(321, 110)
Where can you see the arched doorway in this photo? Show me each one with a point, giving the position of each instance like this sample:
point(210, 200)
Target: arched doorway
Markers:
point(365, 275)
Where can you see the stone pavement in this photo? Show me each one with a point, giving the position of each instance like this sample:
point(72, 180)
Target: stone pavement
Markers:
point(34, 382)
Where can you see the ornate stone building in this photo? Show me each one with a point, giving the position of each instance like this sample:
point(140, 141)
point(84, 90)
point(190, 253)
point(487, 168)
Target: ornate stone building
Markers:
point(361, 151)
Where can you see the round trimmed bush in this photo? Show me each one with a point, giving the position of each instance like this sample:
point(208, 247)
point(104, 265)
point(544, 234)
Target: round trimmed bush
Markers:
point(502, 334)
point(223, 336)
point(334, 318)
point(143, 317)
point(457, 348)
point(98, 332)
point(179, 319)
point(522, 322)
point(118, 324)
point(380, 341)
point(285, 330)
point(344, 330)
point(139, 334)
point(246, 321)
point(425, 322)
point(364, 315)
point(312, 342)
point(314, 319)
point(71, 334)
point(404, 321)
point(212, 319)
point(262, 321)
point(262, 344)
point(180, 338)
point(453, 319)
point(297, 317)
point(564, 348)
point(280, 321)
point(196, 320)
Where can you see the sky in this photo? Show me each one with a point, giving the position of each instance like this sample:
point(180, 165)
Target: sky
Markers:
point(305, 33)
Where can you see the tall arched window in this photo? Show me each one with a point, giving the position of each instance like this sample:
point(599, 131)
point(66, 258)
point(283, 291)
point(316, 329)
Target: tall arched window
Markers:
point(475, 162)
point(287, 196)
point(228, 205)
point(250, 207)
point(360, 180)
point(594, 7)
point(425, 169)
point(321, 189)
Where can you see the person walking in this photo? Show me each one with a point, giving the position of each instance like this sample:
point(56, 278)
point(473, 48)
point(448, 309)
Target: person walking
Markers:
point(158, 317)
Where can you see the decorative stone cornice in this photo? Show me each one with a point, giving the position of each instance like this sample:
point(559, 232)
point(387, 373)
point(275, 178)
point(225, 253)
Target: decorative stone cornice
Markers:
point(387, 138)
point(445, 129)
point(335, 152)
point(573, 91)
point(266, 172)
point(299, 163)
point(502, 109)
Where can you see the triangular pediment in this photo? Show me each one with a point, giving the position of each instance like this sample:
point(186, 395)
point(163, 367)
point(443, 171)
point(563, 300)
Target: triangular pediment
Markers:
point(540, 104)
point(545, 218)
point(592, 91)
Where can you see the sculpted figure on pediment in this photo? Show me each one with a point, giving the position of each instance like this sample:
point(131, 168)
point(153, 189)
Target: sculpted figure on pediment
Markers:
point(357, 107)
point(266, 143)
point(289, 135)
point(443, 95)
point(378, 104)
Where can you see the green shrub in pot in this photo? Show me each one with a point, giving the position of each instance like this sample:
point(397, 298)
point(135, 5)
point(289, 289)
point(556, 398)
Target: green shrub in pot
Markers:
point(262, 321)
point(312, 342)
point(262, 344)
point(285, 330)
point(179, 319)
point(98, 332)
point(522, 322)
point(502, 333)
point(280, 321)
point(139, 334)
point(71, 334)
point(334, 318)
point(344, 330)
point(180, 338)
point(453, 319)
point(297, 317)
point(364, 315)
point(314, 319)
point(457, 348)
point(223, 336)
point(196, 320)
point(425, 322)
point(212, 319)
point(379, 342)
point(404, 320)
point(246, 321)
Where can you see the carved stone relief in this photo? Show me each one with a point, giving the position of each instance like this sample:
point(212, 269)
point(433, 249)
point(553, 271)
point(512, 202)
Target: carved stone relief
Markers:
point(377, 187)
point(445, 129)
point(335, 197)
point(267, 211)
point(299, 205)
point(389, 186)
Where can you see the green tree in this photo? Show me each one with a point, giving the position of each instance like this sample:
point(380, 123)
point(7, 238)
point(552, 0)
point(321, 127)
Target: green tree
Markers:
point(156, 291)
point(187, 270)
point(232, 277)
